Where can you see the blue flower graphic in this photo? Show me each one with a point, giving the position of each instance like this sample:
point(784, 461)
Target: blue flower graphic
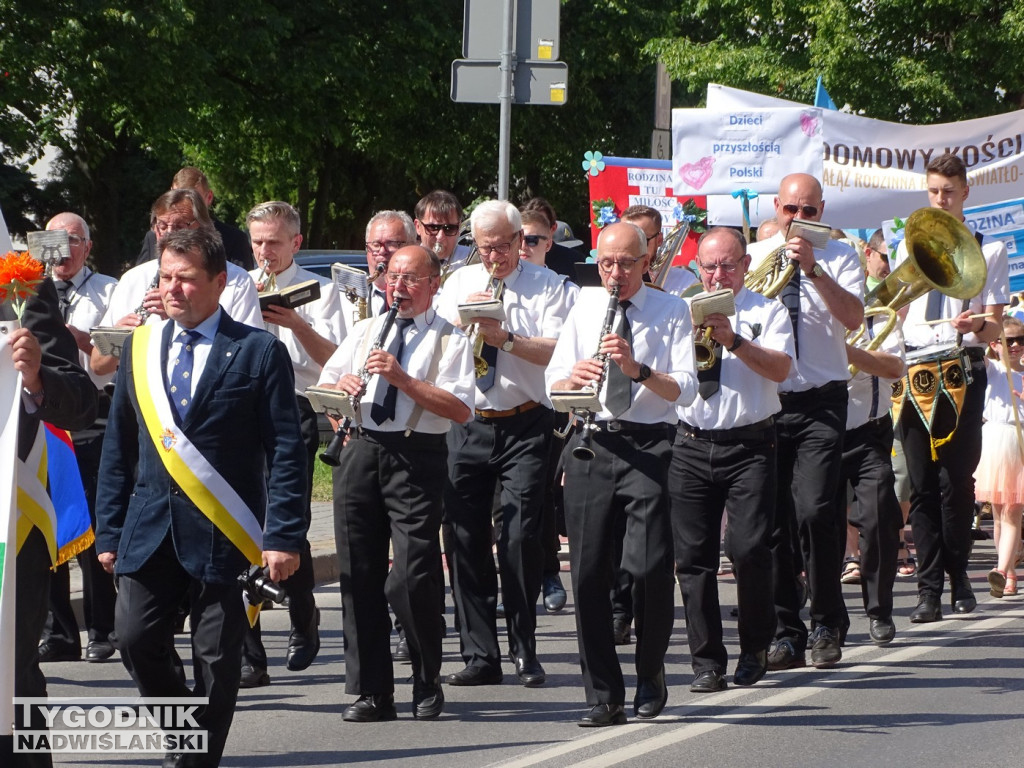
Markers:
point(593, 163)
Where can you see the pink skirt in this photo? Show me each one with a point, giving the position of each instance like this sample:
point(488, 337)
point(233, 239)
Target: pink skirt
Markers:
point(999, 478)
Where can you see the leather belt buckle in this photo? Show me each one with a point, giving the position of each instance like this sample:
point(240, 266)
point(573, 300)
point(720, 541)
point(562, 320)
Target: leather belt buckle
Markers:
point(613, 426)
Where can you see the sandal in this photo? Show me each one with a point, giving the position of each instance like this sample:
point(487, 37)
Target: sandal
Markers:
point(906, 566)
point(997, 582)
point(851, 571)
point(1010, 589)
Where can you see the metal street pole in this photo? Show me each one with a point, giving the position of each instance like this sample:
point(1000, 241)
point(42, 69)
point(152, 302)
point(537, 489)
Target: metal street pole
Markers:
point(507, 67)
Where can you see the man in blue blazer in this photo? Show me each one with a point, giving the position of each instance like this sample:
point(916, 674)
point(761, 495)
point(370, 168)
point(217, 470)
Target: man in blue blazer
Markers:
point(204, 407)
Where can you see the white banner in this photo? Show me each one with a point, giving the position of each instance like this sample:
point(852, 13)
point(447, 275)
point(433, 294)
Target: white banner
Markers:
point(10, 402)
point(872, 167)
point(718, 152)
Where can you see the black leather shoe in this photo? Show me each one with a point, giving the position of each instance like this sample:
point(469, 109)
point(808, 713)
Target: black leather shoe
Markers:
point(961, 594)
point(427, 700)
point(651, 696)
point(253, 677)
point(371, 709)
point(304, 646)
point(401, 652)
point(554, 593)
point(528, 670)
point(708, 681)
point(783, 655)
point(472, 675)
point(51, 650)
point(928, 610)
point(602, 715)
point(620, 629)
point(98, 650)
point(750, 668)
point(882, 631)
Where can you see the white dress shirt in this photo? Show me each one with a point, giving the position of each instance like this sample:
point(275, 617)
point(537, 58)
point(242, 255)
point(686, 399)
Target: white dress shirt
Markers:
point(821, 337)
point(862, 392)
point(678, 280)
point(323, 315)
point(454, 373)
point(662, 339)
point(200, 348)
point(536, 301)
point(89, 294)
point(996, 291)
point(745, 397)
point(239, 296)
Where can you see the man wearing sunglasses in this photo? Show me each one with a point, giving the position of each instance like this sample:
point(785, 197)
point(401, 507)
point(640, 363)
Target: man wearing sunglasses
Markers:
point(438, 221)
point(876, 256)
point(825, 299)
point(507, 440)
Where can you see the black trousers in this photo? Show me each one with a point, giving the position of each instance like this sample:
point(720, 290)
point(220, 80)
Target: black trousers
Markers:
point(705, 478)
point(627, 478)
point(875, 511)
point(33, 584)
point(300, 585)
point(147, 606)
point(942, 491)
point(98, 595)
point(388, 491)
point(513, 450)
point(810, 431)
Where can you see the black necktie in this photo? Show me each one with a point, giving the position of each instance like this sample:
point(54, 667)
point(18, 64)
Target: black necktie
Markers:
point(790, 298)
point(181, 373)
point(384, 410)
point(383, 301)
point(63, 286)
point(489, 353)
point(620, 386)
point(709, 380)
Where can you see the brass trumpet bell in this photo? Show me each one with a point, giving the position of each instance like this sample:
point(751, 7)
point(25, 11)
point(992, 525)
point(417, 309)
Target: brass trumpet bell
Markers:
point(705, 351)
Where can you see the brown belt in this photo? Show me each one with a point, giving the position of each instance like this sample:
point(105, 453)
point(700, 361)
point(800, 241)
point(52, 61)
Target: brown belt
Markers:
point(529, 405)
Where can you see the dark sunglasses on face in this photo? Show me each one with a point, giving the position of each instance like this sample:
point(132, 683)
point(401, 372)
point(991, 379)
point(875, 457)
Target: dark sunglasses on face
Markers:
point(534, 240)
point(449, 229)
point(1018, 340)
point(809, 211)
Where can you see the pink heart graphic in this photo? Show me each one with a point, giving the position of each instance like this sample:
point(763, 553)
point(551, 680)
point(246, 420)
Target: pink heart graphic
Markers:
point(696, 174)
point(808, 124)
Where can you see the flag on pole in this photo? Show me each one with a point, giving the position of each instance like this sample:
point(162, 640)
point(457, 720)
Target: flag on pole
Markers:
point(821, 97)
point(74, 528)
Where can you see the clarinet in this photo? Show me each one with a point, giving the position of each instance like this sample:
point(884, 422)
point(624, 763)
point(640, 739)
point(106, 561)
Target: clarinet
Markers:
point(141, 310)
point(332, 453)
point(583, 451)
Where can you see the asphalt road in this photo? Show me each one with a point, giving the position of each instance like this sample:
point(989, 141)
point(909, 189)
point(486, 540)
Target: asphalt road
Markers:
point(943, 694)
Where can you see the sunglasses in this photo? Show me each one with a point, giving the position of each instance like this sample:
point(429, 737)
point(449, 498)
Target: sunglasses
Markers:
point(449, 229)
point(1018, 340)
point(534, 240)
point(809, 211)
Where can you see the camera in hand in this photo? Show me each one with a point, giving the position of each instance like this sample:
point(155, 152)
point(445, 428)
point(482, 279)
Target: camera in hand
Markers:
point(258, 586)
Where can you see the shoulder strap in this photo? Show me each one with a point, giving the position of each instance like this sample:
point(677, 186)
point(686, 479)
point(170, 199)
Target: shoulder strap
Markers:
point(444, 335)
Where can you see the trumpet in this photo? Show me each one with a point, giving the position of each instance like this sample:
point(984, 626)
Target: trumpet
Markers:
point(583, 450)
point(332, 453)
point(480, 366)
point(705, 348)
point(265, 280)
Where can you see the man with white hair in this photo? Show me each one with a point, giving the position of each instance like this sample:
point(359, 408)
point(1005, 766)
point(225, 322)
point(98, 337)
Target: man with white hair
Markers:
point(507, 441)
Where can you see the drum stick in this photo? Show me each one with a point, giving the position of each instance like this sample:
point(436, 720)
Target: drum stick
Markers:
point(950, 319)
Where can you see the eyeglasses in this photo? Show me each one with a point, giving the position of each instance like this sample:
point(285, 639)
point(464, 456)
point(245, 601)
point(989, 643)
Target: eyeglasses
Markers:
point(1018, 340)
point(502, 249)
point(881, 254)
point(75, 240)
point(534, 240)
point(809, 211)
point(394, 278)
point(710, 269)
point(449, 229)
point(170, 226)
point(376, 246)
point(626, 265)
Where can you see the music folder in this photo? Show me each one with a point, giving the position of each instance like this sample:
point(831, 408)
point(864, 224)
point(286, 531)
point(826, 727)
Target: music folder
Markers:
point(110, 341)
point(332, 402)
point(493, 309)
point(292, 296)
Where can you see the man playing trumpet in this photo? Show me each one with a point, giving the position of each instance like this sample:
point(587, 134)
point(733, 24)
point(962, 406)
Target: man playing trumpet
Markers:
point(725, 456)
point(646, 357)
point(389, 484)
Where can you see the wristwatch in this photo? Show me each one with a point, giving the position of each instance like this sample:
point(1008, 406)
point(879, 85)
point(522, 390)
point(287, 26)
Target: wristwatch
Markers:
point(816, 271)
point(737, 342)
point(509, 343)
point(645, 373)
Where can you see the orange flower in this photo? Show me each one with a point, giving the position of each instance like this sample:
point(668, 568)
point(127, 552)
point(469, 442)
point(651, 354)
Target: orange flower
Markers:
point(19, 276)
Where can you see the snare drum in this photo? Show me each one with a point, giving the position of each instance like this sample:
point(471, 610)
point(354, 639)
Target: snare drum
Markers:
point(932, 354)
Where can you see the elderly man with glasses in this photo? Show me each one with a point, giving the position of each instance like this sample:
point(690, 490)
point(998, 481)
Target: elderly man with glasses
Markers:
point(825, 299)
point(507, 440)
point(641, 363)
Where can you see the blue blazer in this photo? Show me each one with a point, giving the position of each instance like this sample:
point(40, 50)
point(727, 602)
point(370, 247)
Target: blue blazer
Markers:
point(245, 421)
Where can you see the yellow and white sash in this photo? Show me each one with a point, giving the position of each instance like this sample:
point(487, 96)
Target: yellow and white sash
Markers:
point(35, 509)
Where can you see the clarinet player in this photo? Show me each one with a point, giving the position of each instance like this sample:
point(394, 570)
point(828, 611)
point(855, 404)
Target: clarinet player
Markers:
point(418, 379)
point(644, 369)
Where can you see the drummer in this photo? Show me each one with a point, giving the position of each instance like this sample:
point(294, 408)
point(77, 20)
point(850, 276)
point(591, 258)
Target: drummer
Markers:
point(941, 430)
